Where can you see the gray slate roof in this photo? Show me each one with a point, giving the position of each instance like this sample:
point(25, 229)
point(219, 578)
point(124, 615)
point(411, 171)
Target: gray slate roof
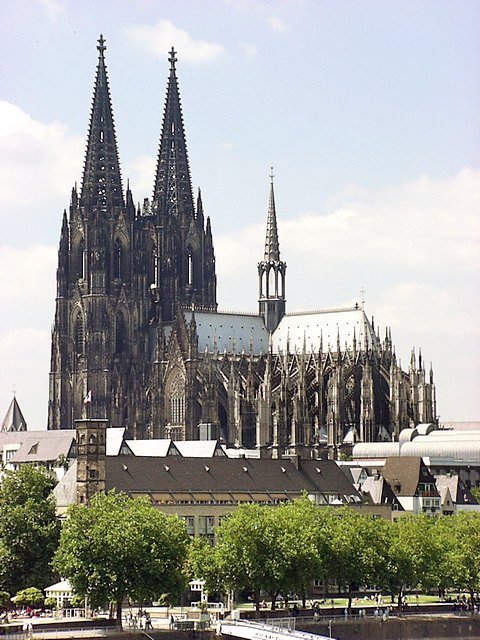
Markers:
point(311, 327)
point(218, 474)
point(44, 446)
point(230, 331)
point(38, 446)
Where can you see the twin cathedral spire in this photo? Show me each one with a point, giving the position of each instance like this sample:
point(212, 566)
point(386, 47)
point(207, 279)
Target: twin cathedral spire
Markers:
point(180, 261)
point(124, 271)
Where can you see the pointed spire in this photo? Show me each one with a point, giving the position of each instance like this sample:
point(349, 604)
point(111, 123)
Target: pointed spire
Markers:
point(200, 207)
point(102, 182)
point(14, 420)
point(172, 192)
point(272, 248)
point(130, 206)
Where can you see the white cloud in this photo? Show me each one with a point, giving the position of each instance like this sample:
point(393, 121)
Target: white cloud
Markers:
point(277, 25)
point(53, 8)
point(27, 273)
point(141, 173)
point(159, 38)
point(27, 291)
point(249, 49)
point(424, 228)
point(25, 357)
point(43, 156)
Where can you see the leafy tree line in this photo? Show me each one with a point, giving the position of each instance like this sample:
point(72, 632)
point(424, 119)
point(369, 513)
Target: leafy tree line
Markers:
point(283, 549)
point(120, 548)
point(29, 530)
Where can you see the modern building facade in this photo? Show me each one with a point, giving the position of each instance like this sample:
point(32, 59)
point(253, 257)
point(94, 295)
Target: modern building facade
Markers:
point(138, 339)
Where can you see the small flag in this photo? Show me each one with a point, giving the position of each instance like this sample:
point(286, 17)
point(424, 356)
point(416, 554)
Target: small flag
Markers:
point(88, 397)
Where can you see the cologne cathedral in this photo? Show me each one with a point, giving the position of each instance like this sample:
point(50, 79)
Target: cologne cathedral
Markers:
point(138, 338)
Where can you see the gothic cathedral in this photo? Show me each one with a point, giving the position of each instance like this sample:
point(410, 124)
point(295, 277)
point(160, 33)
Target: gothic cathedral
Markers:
point(138, 340)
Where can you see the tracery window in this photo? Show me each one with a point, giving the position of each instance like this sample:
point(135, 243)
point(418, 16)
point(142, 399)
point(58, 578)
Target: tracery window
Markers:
point(118, 260)
point(120, 333)
point(190, 268)
point(79, 335)
point(79, 260)
point(151, 263)
point(176, 393)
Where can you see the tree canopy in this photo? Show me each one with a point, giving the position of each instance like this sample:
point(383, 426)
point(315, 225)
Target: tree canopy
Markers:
point(118, 547)
point(30, 597)
point(461, 541)
point(29, 530)
point(283, 549)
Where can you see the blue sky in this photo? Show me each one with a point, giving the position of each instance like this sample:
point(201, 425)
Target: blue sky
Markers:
point(368, 111)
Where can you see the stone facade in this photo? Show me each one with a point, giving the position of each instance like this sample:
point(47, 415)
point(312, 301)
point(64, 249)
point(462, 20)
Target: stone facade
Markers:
point(137, 330)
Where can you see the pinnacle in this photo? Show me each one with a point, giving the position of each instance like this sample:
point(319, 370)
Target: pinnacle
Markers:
point(102, 183)
point(173, 189)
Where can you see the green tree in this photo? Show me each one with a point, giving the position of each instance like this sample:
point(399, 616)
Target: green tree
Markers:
point(120, 547)
point(31, 597)
point(277, 550)
point(50, 602)
point(475, 491)
point(29, 529)
point(462, 540)
point(302, 542)
point(62, 462)
point(246, 552)
point(202, 565)
point(411, 556)
point(4, 599)
point(358, 544)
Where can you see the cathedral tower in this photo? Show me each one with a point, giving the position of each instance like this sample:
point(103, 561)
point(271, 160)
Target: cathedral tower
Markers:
point(271, 271)
point(184, 270)
point(125, 273)
point(96, 314)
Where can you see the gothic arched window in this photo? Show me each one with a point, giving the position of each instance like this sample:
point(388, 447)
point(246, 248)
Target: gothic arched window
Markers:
point(151, 263)
point(120, 333)
point(176, 393)
point(78, 266)
point(79, 335)
point(118, 259)
point(190, 268)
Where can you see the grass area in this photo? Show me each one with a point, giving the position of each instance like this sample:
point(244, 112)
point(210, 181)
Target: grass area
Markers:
point(341, 603)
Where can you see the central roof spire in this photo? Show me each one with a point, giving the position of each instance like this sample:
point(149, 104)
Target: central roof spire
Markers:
point(272, 248)
point(102, 182)
point(172, 193)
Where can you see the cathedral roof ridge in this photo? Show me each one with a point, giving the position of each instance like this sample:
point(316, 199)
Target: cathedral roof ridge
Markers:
point(326, 310)
point(229, 312)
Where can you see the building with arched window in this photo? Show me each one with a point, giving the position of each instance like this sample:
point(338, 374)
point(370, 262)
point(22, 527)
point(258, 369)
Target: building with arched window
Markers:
point(138, 340)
